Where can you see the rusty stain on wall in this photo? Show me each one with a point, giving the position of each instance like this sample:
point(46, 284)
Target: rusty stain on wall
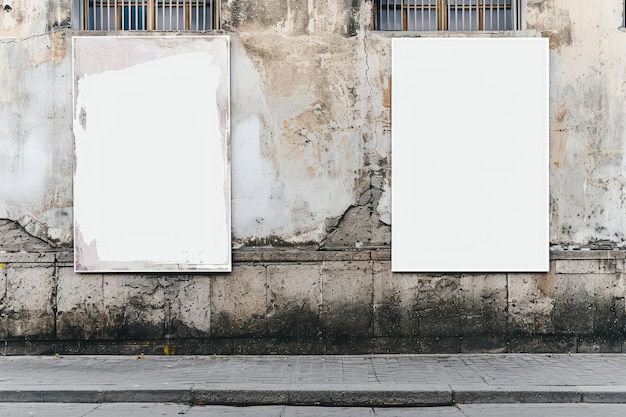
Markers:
point(558, 137)
point(387, 92)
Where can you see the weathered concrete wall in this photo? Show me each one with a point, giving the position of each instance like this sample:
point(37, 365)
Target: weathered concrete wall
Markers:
point(310, 168)
point(35, 117)
point(587, 99)
point(309, 111)
point(308, 301)
point(307, 121)
point(311, 132)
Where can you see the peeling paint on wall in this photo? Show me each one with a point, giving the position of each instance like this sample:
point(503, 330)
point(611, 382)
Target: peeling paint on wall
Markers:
point(588, 61)
point(311, 119)
point(28, 20)
point(35, 109)
point(553, 21)
point(313, 126)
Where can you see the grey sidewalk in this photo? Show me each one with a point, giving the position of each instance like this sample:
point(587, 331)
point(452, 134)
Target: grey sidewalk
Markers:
point(316, 380)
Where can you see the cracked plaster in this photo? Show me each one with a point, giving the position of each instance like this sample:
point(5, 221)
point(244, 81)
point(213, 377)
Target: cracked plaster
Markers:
point(311, 115)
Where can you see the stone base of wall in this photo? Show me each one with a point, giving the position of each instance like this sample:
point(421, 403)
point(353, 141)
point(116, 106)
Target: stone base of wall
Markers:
point(355, 346)
point(282, 301)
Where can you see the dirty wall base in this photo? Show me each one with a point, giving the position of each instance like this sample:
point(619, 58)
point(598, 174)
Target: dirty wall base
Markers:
point(287, 301)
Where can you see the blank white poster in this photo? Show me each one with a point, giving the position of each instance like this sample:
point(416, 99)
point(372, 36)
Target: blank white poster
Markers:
point(470, 155)
point(152, 172)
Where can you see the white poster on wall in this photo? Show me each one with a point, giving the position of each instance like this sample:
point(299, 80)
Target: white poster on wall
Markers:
point(470, 155)
point(152, 171)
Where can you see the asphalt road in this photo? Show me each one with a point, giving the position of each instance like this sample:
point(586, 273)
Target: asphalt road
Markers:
point(178, 410)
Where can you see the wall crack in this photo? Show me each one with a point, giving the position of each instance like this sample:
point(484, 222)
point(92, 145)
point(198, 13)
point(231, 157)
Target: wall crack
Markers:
point(360, 225)
point(56, 29)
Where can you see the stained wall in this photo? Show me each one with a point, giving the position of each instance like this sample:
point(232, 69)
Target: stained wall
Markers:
point(310, 151)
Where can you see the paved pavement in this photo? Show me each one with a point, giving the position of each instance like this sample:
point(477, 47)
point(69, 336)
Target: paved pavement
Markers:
point(407, 380)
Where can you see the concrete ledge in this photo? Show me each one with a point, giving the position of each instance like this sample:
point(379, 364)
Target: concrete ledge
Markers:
point(27, 257)
point(308, 255)
point(274, 255)
point(65, 257)
point(587, 254)
point(587, 266)
point(291, 255)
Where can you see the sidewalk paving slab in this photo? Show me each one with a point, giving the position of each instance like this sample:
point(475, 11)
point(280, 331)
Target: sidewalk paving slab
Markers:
point(377, 380)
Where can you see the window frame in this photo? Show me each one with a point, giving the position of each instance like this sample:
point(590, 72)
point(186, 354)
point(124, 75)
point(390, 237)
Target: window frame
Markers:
point(80, 9)
point(442, 8)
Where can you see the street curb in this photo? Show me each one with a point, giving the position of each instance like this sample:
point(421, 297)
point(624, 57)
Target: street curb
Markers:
point(314, 396)
point(387, 398)
point(302, 396)
point(95, 396)
point(608, 395)
point(528, 395)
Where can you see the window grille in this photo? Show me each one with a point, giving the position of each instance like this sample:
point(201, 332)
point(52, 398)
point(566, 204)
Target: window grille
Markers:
point(161, 15)
point(449, 15)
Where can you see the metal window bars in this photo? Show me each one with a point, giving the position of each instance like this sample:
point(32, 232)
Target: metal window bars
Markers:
point(162, 15)
point(449, 15)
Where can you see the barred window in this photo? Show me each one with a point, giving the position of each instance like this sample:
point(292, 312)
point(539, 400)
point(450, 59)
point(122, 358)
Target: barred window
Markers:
point(161, 15)
point(449, 15)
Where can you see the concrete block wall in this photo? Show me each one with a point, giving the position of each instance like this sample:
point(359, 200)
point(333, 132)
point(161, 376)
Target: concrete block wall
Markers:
point(311, 302)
